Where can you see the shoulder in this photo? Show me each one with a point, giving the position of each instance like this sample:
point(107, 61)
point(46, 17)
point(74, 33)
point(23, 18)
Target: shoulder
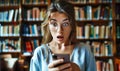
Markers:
point(82, 46)
point(40, 50)
point(83, 49)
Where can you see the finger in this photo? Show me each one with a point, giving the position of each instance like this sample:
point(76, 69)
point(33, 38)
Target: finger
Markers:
point(56, 62)
point(68, 69)
point(63, 66)
point(53, 69)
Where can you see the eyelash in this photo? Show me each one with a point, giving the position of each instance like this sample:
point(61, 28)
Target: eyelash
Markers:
point(54, 24)
point(63, 24)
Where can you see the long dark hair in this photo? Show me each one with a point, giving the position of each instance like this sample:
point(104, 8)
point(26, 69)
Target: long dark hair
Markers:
point(62, 6)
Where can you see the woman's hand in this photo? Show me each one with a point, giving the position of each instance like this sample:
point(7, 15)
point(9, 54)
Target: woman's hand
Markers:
point(54, 66)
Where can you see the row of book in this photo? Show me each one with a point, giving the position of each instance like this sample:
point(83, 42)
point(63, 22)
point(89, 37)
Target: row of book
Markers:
point(34, 14)
point(29, 46)
point(90, 31)
point(10, 15)
point(118, 31)
point(31, 30)
point(8, 45)
point(105, 66)
point(35, 2)
point(101, 48)
point(9, 2)
point(92, 1)
point(93, 13)
point(9, 30)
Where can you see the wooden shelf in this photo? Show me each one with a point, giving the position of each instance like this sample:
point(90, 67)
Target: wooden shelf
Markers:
point(9, 37)
point(91, 4)
point(31, 22)
point(10, 23)
point(109, 39)
point(93, 22)
point(104, 58)
point(34, 5)
point(32, 37)
point(8, 7)
point(10, 54)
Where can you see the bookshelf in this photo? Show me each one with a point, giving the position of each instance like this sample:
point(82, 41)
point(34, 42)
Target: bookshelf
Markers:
point(98, 24)
point(9, 27)
point(117, 25)
point(33, 13)
point(20, 29)
point(117, 36)
point(96, 27)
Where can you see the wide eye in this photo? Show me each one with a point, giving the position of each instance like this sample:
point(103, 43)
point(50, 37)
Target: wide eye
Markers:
point(53, 24)
point(65, 24)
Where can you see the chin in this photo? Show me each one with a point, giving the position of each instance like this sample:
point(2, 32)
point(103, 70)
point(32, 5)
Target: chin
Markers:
point(60, 42)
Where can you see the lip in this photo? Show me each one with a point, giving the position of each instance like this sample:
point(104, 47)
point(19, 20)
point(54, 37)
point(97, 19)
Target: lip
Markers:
point(60, 38)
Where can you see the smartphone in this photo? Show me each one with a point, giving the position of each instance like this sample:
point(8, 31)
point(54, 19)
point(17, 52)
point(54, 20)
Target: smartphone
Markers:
point(66, 57)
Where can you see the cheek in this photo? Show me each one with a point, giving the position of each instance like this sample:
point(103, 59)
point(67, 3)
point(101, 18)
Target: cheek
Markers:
point(67, 32)
point(52, 30)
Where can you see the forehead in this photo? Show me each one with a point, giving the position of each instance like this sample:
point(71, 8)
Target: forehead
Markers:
point(58, 16)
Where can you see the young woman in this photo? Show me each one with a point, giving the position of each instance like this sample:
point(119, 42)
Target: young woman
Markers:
point(59, 30)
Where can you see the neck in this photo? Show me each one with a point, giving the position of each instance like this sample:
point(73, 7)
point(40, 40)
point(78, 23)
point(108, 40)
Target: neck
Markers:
point(60, 48)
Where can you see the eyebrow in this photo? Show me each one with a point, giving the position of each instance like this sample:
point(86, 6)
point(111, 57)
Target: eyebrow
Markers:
point(56, 20)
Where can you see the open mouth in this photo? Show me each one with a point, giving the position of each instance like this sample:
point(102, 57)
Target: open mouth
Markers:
point(60, 37)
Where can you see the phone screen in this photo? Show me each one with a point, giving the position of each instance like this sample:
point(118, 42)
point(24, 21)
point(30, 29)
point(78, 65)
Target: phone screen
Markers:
point(66, 57)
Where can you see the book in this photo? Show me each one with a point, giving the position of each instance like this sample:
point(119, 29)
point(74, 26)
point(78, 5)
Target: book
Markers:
point(87, 31)
point(98, 65)
point(92, 31)
point(104, 65)
point(82, 13)
point(118, 67)
point(79, 33)
point(111, 65)
point(29, 15)
point(5, 15)
point(35, 13)
point(1, 16)
point(96, 13)
point(35, 29)
point(28, 46)
point(96, 34)
point(77, 13)
point(1, 30)
point(118, 31)
point(102, 31)
point(42, 14)
point(106, 13)
point(8, 45)
point(10, 32)
point(88, 12)
point(10, 17)
point(25, 30)
point(16, 15)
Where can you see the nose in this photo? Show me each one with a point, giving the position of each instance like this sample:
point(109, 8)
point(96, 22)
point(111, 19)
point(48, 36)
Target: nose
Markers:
point(60, 28)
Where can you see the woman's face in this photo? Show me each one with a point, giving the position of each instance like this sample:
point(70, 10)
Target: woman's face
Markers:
point(59, 26)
